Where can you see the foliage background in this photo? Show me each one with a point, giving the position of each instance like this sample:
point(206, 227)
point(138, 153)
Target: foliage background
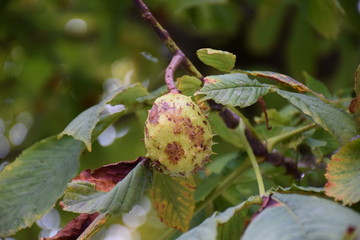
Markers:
point(52, 67)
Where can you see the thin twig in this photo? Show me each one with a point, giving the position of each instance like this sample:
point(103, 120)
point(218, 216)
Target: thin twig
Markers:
point(271, 142)
point(263, 108)
point(165, 37)
point(169, 73)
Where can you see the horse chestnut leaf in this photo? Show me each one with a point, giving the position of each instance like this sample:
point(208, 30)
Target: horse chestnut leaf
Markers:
point(178, 136)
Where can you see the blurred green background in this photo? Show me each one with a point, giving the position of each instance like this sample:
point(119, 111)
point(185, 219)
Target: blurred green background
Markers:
point(57, 58)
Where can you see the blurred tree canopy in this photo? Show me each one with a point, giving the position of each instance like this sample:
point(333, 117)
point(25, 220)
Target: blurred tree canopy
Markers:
point(58, 57)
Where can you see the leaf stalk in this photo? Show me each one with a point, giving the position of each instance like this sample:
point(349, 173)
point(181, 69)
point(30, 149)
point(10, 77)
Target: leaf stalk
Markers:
point(271, 142)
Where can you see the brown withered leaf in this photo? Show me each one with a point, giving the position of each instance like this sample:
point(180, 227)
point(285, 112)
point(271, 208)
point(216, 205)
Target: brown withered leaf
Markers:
point(106, 177)
point(75, 228)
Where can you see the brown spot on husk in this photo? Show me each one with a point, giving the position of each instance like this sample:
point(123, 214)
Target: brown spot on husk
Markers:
point(174, 152)
point(196, 135)
point(154, 115)
point(194, 132)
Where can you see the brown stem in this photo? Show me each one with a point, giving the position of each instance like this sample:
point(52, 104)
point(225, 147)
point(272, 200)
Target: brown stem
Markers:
point(263, 108)
point(165, 37)
point(169, 73)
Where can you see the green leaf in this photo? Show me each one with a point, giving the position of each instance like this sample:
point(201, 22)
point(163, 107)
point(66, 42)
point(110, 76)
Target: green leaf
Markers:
point(82, 197)
point(284, 79)
point(227, 134)
point(188, 85)
point(220, 162)
point(301, 217)
point(340, 124)
point(82, 126)
point(221, 60)
point(325, 16)
point(235, 89)
point(343, 174)
point(317, 86)
point(150, 98)
point(173, 199)
point(226, 225)
point(322, 143)
point(32, 184)
point(206, 186)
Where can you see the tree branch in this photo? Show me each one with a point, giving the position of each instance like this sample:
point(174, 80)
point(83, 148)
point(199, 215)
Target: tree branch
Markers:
point(165, 37)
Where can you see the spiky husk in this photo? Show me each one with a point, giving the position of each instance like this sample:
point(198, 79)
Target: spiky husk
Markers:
point(178, 136)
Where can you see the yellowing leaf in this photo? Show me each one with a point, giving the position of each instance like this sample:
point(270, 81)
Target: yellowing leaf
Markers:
point(280, 78)
point(173, 199)
point(188, 85)
point(221, 60)
point(343, 174)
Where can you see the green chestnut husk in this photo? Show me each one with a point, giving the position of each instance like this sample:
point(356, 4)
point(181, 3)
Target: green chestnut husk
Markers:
point(178, 136)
